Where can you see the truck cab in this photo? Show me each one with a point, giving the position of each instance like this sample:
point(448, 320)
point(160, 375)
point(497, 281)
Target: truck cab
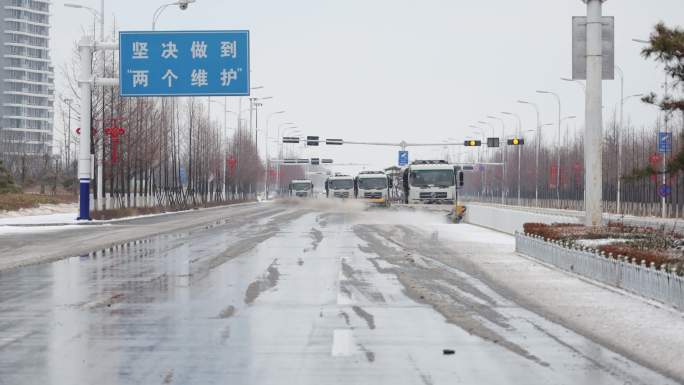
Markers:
point(431, 182)
point(373, 187)
point(339, 186)
point(301, 188)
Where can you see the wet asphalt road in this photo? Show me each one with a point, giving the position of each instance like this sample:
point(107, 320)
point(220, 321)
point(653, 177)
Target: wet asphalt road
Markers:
point(289, 294)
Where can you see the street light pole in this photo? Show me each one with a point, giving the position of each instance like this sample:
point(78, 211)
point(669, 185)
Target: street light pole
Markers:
point(503, 156)
point(519, 149)
point(281, 150)
point(484, 171)
point(536, 156)
point(280, 154)
point(617, 138)
point(491, 126)
point(558, 145)
point(68, 101)
point(268, 161)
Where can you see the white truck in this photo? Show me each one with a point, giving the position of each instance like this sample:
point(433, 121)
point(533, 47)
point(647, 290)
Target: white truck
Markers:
point(431, 181)
point(339, 186)
point(373, 187)
point(301, 188)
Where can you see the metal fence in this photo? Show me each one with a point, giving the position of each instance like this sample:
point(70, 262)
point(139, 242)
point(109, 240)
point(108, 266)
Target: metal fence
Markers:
point(638, 278)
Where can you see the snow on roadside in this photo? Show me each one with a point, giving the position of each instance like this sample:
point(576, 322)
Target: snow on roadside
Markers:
point(46, 209)
point(35, 220)
point(9, 230)
point(600, 242)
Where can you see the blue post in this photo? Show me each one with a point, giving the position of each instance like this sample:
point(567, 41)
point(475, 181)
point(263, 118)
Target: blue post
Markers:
point(84, 200)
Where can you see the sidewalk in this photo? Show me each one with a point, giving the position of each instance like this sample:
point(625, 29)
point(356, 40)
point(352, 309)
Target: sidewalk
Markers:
point(668, 223)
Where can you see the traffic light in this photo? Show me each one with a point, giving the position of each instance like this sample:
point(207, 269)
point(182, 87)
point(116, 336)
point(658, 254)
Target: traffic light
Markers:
point(334, 142)
point(326, 161)
point(492, 142)
point(290, 139)
point(312, 141)
point(472, 143)
point(303, 161)
point(315, 161)
point(516, 142)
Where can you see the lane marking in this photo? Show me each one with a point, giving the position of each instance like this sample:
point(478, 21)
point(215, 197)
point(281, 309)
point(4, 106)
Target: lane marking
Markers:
point(344, 343)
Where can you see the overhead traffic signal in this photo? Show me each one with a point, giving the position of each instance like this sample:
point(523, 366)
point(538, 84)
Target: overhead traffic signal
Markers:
point(492, 142)
point(472, 143)
point(334, 142)
point(326, 161)
point(315, 161)
point(312, 140)
point(290, 139)
point(516, 142)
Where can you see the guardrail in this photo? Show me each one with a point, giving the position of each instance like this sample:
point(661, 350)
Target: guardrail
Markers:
point(647, 281)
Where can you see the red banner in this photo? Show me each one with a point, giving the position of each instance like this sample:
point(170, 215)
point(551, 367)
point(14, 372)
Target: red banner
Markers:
point(553, 176)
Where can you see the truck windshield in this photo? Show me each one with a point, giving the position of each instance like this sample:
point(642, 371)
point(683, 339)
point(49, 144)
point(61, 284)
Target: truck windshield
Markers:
point(301, 186)
point(372, 183)
point(424, 178)
point(339, 184)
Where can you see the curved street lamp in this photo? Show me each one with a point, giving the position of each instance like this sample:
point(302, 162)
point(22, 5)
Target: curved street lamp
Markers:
point(182, 4)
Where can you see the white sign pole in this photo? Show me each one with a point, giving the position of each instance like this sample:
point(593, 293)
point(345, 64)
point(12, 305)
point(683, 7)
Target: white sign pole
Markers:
point(84, 157)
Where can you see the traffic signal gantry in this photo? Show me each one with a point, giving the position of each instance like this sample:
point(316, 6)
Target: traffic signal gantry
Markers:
point(312, 140)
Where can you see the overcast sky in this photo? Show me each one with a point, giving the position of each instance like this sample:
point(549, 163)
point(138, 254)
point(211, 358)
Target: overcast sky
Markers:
point(414, 70)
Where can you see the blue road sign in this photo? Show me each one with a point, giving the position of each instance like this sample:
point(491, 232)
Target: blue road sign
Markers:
point(664, 190)
point(664, 142)
point(184, 63)
point(183, 176)
point(403, 158)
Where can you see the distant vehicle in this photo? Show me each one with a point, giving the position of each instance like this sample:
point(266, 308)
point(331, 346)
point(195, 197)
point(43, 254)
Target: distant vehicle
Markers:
point(302, 188)
point(431, 181)
point(373, 187)
point(339, 186)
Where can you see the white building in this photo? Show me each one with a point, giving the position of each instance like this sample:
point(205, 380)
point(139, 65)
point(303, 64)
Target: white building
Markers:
point(26, 78)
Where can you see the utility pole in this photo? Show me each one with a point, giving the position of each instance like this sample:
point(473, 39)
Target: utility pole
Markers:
point(594, 119)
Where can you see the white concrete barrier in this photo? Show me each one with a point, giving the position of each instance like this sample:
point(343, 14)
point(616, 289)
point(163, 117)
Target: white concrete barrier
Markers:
point(510, 220)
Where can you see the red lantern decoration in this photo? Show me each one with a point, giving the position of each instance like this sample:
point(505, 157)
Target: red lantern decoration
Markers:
point(114, 132)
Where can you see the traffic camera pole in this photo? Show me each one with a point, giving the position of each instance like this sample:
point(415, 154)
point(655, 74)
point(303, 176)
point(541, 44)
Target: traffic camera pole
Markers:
point(594, 120)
